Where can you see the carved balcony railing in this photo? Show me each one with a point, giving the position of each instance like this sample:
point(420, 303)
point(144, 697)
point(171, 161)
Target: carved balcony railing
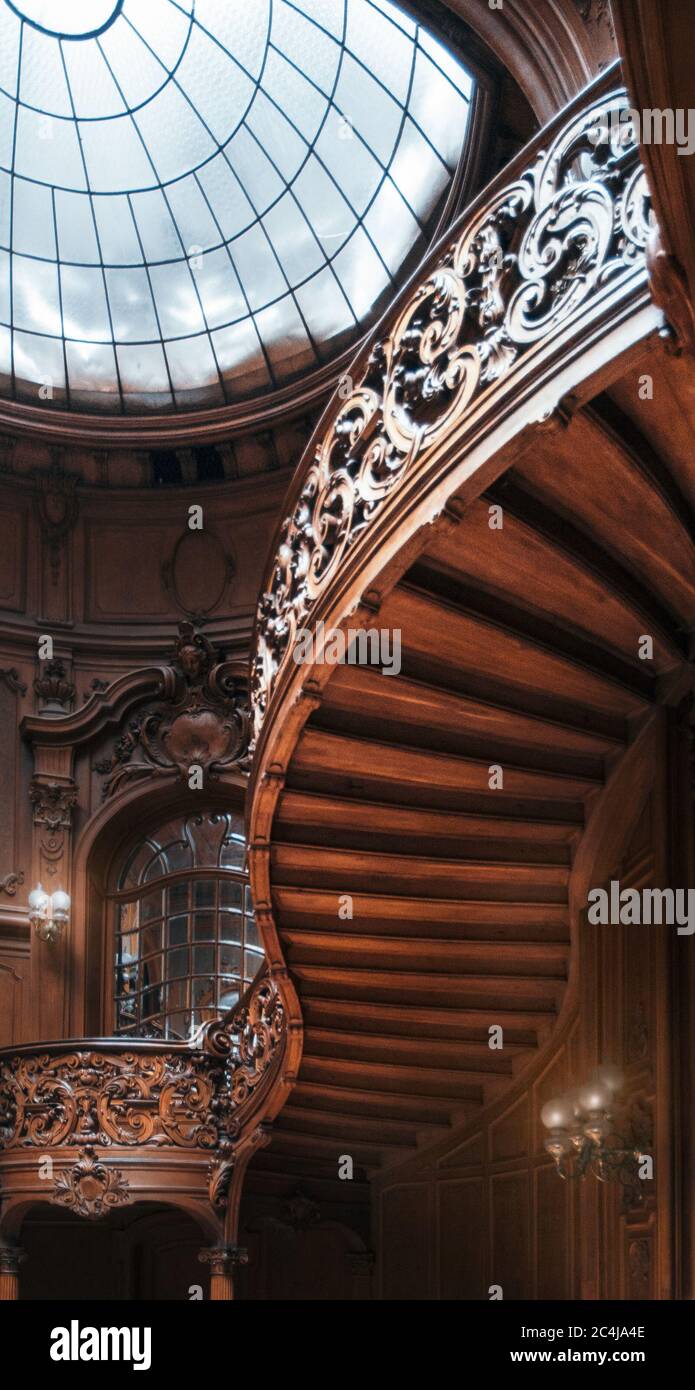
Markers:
point(541, 283)
point(125, 1120)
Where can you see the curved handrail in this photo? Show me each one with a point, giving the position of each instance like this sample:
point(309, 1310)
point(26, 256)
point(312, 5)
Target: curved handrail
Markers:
point(512, 309)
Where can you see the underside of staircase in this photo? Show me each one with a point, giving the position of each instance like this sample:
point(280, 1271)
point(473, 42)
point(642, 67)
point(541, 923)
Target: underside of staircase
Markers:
point(521, 657)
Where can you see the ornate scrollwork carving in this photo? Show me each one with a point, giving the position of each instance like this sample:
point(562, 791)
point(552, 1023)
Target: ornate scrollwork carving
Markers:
point(517, 270)
point(202, 720)
point(190, 1097)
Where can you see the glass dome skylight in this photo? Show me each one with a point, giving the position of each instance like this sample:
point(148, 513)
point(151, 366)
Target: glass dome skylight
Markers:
point(202, 199)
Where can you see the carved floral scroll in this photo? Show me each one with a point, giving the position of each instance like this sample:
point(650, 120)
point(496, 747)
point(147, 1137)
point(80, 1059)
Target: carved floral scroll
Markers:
point(191, 1097)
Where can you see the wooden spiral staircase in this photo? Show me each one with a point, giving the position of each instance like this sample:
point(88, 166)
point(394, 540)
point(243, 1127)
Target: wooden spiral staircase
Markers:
point(413, 836)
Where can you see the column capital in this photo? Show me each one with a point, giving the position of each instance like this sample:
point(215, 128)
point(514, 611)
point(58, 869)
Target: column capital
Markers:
point(222, 1258)
point(11, 1257)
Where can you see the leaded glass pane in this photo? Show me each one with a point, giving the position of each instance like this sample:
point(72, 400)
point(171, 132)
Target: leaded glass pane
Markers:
point(184, 950)
point(135, 137)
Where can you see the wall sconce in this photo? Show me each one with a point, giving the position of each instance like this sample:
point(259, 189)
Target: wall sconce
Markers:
point(581, 1135)
point(49, 913)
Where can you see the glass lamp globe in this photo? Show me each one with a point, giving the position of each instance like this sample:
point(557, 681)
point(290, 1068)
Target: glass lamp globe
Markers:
point(558, 1113)
point(60, 904)
point(610, 1076)
point(38, 901)
point(594, 1097)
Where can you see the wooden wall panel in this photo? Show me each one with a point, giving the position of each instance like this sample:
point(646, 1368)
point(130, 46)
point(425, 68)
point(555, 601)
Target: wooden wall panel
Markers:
point(125, 571)
point(14, 1000)
point(462, 1237)
point(510, 1263)
point(406, 1227)
point(552, 1205)
point(509, 1136)
point(13, 559)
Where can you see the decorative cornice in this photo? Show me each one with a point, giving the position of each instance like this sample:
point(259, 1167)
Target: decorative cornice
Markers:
point(539, 256)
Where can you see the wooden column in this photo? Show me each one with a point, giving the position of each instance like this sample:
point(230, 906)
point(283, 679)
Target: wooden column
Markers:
point(222, 1261)
point(10, 1259)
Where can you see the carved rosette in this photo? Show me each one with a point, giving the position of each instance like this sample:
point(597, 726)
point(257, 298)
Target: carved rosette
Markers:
point(517, 271)
point(190, 1098)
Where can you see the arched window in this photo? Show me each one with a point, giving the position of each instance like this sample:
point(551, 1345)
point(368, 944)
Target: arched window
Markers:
point(186, 942)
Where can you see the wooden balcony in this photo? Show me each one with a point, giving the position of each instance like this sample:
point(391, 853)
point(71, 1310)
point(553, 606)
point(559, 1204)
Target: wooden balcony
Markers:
point(98, 1123)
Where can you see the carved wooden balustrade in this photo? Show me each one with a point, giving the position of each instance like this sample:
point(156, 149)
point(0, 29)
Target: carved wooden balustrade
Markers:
point(96, 1124)
point(541, 283)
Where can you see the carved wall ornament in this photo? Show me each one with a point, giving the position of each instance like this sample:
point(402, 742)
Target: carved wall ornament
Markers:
point(91, 1188)
point(596, 14)
point(300, 1211)
point(519, 269)
point(220, 1176)
point(10, 883)
point(57, 508)
point(53, 804)
point(198, 573)
point(53, 686)
point(96, 687)
point(11, 678)
point(203, 719)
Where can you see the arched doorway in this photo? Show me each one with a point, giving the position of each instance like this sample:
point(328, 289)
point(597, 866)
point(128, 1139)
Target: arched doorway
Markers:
point(142, 1252)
